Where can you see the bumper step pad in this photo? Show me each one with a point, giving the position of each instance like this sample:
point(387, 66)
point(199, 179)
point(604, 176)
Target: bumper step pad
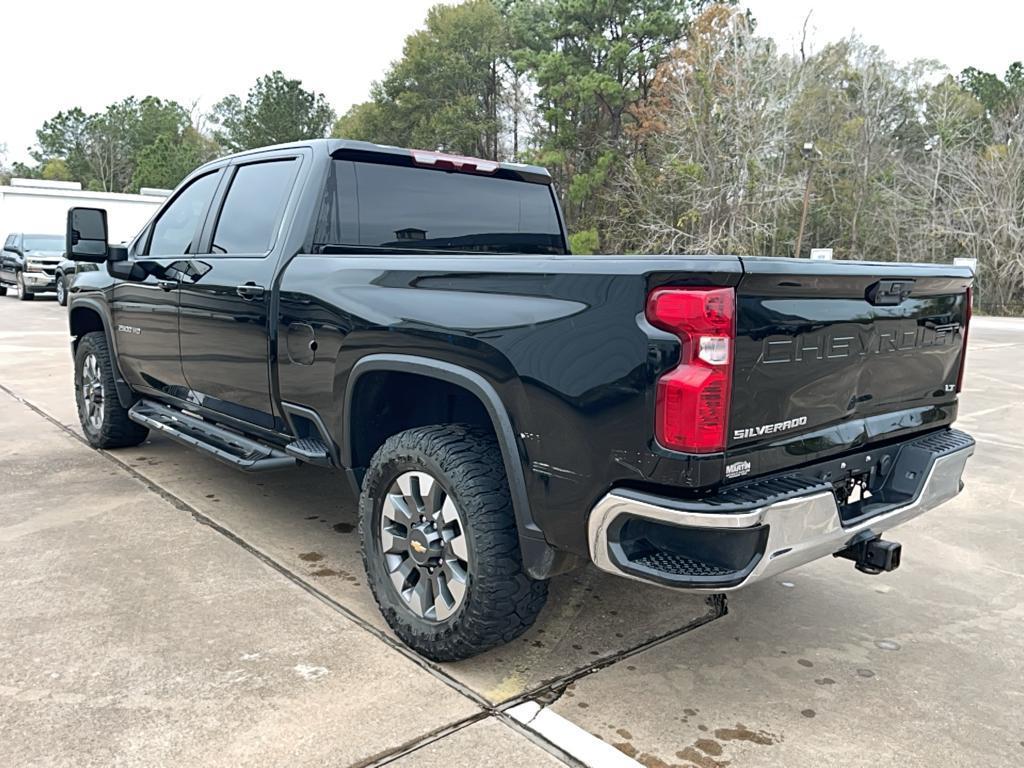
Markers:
point(751, 532)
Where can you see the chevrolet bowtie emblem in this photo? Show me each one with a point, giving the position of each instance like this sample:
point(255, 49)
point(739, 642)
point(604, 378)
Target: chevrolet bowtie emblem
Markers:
point(417, 547)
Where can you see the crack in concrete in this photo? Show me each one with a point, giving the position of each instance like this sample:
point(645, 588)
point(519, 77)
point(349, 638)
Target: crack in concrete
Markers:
point(546, 694)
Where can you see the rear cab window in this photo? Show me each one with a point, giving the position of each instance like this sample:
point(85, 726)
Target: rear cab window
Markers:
point(253, 207)
point(409, 207)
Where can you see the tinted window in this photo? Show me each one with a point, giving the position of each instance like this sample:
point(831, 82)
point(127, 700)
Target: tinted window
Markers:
point(174, 230)
point(44, 243)
point(403, 207)
point(253, 207)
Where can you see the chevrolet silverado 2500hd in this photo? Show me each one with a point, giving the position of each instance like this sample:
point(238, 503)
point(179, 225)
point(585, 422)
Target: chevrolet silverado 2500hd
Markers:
point(505, 410)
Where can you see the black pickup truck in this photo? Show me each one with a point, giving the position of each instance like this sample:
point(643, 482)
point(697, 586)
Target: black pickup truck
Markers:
point(505, 410)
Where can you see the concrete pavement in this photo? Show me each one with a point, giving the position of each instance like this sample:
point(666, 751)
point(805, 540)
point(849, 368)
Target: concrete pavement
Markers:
point(181, 643)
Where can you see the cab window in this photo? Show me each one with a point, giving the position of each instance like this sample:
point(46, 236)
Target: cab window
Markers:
point(180, 221)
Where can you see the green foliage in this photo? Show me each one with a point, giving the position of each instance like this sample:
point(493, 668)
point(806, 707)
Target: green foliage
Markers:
point(102, 150)
point(362, 122)
point(55, 170)
point(445, 92)
point(585, 241)
point(276, 110)
point(594, 65)
point(168, 160)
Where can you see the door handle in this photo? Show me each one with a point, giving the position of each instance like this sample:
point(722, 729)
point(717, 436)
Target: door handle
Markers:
point(167, 285)
point(250, 291)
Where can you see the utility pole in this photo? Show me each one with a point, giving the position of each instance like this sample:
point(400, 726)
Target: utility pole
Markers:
point(809, 154)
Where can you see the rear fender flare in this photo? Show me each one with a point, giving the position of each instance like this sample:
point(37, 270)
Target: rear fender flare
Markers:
point(539, 558)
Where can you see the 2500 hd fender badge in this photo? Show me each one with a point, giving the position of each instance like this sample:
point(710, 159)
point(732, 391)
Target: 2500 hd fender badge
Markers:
point(129, 329)
point(768, 429)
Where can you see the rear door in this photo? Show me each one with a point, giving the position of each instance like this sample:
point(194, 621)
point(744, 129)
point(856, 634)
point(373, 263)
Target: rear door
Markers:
point(224, 332)
point(835, 355)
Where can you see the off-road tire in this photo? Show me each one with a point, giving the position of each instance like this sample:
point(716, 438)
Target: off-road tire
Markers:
point(116, 429)
point(501, 601)
point(24, 294)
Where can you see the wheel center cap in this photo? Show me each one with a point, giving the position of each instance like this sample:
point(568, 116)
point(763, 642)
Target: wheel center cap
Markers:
point(424, 544)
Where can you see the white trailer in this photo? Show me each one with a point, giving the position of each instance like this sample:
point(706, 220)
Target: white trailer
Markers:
point(41, 207)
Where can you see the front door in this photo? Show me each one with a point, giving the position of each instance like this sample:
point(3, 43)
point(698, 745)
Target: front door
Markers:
point(145, 303)
point(224, 330)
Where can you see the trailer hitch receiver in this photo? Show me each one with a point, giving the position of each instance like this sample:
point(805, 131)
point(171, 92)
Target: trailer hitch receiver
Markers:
point(871, 554)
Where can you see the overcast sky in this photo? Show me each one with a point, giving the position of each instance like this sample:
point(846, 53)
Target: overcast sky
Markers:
point(63, 53)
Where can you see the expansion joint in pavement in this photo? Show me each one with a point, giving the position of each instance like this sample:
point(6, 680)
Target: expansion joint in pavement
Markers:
point(509, 712)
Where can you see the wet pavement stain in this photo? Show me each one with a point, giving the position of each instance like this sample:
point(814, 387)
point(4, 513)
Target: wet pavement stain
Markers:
point(805, 662)
point(625, 734)
point(653, 761)
point(808, 712)
point(694, 757)
point(708, 747)
point(311, 557)
point(742, 733)
point(865, 673)
point(343, 527)
point(324, 572)
point(625, 748)
point(825, 681)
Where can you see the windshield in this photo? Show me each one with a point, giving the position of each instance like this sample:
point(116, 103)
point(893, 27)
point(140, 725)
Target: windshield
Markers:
point(44, 243)
point(406, 208)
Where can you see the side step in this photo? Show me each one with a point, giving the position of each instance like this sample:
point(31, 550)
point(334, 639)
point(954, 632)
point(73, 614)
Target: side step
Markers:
point(230, 447)
point(310, 450)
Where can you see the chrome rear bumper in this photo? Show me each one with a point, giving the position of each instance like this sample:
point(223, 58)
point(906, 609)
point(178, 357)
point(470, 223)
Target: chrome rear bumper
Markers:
point(799, 529)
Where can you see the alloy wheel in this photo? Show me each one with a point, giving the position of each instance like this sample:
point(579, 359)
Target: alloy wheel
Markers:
point(424, 543)
point(92, 392)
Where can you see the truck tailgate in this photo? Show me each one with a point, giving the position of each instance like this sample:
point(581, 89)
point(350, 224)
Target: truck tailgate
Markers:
point(835, 355)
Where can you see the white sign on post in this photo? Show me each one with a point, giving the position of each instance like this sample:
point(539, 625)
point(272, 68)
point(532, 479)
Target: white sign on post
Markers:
point(821, 254)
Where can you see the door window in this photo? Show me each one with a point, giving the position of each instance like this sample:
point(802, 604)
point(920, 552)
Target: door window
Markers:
point(253, 207)
point(178, 223)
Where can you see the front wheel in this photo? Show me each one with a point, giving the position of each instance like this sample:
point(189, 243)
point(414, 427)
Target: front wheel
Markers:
point(62, 291)
point(23, 293)
point(104, 420)
point(440, 544)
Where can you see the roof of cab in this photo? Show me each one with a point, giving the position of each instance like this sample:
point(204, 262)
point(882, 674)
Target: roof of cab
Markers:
point(350, 146)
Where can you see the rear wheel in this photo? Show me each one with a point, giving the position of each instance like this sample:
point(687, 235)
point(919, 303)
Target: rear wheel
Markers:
point(23, 292)
point(440, 544)
point(3, 290)
point(62, 291)
point(104, 420)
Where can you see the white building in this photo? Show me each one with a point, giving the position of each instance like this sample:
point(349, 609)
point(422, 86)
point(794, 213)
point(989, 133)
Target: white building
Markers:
point(41, 207)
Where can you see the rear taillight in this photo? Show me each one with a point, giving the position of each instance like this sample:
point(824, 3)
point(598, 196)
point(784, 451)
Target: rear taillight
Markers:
point(963, 349)
point(692, 405)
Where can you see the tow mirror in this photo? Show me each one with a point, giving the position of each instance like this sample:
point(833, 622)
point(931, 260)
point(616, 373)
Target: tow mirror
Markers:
point(86, 237)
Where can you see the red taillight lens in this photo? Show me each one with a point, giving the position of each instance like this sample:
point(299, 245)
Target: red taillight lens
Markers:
point(963, 350)
point(692, 405)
